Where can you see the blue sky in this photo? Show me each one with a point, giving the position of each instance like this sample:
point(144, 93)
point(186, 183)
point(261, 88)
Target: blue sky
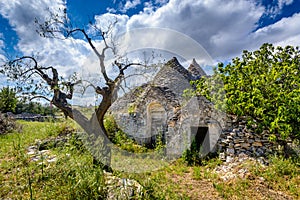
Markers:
point(222, 28)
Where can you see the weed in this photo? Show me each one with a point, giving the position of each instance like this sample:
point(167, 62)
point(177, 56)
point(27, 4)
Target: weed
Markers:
point(192, 155)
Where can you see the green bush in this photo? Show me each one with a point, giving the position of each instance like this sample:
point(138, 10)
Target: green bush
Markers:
point(263, 85)
point(8, 100)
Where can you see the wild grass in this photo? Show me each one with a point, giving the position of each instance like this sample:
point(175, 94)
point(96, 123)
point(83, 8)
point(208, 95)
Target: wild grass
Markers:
point(74, 176)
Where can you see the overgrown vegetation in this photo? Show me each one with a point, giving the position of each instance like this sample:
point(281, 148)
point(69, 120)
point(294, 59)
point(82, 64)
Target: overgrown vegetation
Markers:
point(192, 155)
point(73, 176)
point(35, 108)
point(8, 100)
point(263, 85)
point(118, 137)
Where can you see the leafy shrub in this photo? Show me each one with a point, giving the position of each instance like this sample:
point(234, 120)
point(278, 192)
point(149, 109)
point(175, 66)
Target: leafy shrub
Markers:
point(110, 125)
point(8, 100)
point(263, 85)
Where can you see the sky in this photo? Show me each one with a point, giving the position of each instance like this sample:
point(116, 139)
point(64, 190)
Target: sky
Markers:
point(223, 28)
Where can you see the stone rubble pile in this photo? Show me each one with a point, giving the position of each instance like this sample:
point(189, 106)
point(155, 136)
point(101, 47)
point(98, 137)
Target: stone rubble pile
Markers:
point(122, 188)
point(42, 156)
point(237, 167)
point(241, 140)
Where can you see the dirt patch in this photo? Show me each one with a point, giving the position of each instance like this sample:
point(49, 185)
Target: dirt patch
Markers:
point(204, 183)
point(192, 188)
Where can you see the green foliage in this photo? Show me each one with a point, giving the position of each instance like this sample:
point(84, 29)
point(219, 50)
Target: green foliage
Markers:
point(110, 125)
point(120, 138)
point(212, 88)
point(131, 108)
point(73, 175)
point(35, 108)
point(126, 143)
point(263, 85)
point(281, 174)
point(192, 156)
point(159, 143)
point(8, 100)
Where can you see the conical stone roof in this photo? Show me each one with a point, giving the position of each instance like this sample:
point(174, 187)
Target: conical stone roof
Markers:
point(195, 70)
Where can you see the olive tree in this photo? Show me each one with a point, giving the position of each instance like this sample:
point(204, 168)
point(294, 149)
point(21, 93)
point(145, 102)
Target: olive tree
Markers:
point(39, 81)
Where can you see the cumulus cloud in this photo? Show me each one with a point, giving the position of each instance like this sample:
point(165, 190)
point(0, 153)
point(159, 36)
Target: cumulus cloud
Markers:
point(222, 28)
point(129, 5)
point(219, 26)
point(284, 32)
point(66, 55)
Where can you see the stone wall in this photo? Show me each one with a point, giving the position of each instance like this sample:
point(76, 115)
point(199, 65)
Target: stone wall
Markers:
point(238, 139)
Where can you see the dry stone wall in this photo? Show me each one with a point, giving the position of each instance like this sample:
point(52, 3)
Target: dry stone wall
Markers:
point(237, 140)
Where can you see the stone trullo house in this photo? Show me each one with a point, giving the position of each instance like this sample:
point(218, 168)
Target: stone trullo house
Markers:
point(158, 110)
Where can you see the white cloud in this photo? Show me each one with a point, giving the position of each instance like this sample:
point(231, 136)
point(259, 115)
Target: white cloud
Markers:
point(219, 26)
point(66, 55)
point(223, 28)
point(274, 10)
point(129, 5)
point(282, 3)
point(2, 46)
point(111, 10)
point(284, 32)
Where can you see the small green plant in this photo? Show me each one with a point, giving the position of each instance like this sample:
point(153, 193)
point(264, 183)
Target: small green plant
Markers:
point(192, 155)
point(110, 125)
point(159, 144)
point(131, 108)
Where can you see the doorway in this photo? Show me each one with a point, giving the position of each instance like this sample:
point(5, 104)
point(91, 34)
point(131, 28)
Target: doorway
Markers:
point(200, 136)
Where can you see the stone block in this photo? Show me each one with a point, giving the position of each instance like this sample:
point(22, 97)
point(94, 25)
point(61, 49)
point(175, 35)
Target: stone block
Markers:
point(245, 145)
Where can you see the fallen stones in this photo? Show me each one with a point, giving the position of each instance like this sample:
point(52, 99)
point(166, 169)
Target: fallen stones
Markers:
point(236, 167)
point(122, 188)
point(238, 139)
point(41, 156)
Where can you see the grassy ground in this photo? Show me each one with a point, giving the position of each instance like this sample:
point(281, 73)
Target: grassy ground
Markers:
point(73, 176)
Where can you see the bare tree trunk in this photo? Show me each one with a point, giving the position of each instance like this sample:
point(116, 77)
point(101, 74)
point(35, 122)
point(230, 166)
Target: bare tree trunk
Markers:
point(97, 142)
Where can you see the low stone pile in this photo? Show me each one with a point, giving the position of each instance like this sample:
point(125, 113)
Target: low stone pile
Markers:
point(122, 188)
point(241, 140)
point(238, 167)
point(41, 156)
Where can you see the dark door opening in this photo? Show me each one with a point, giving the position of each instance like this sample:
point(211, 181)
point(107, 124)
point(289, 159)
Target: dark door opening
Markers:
point(199, 134)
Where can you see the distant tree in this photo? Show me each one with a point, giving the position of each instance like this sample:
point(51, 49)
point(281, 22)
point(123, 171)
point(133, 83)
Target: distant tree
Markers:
point(263, 85)
point(35, 108)
point(8, 100)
